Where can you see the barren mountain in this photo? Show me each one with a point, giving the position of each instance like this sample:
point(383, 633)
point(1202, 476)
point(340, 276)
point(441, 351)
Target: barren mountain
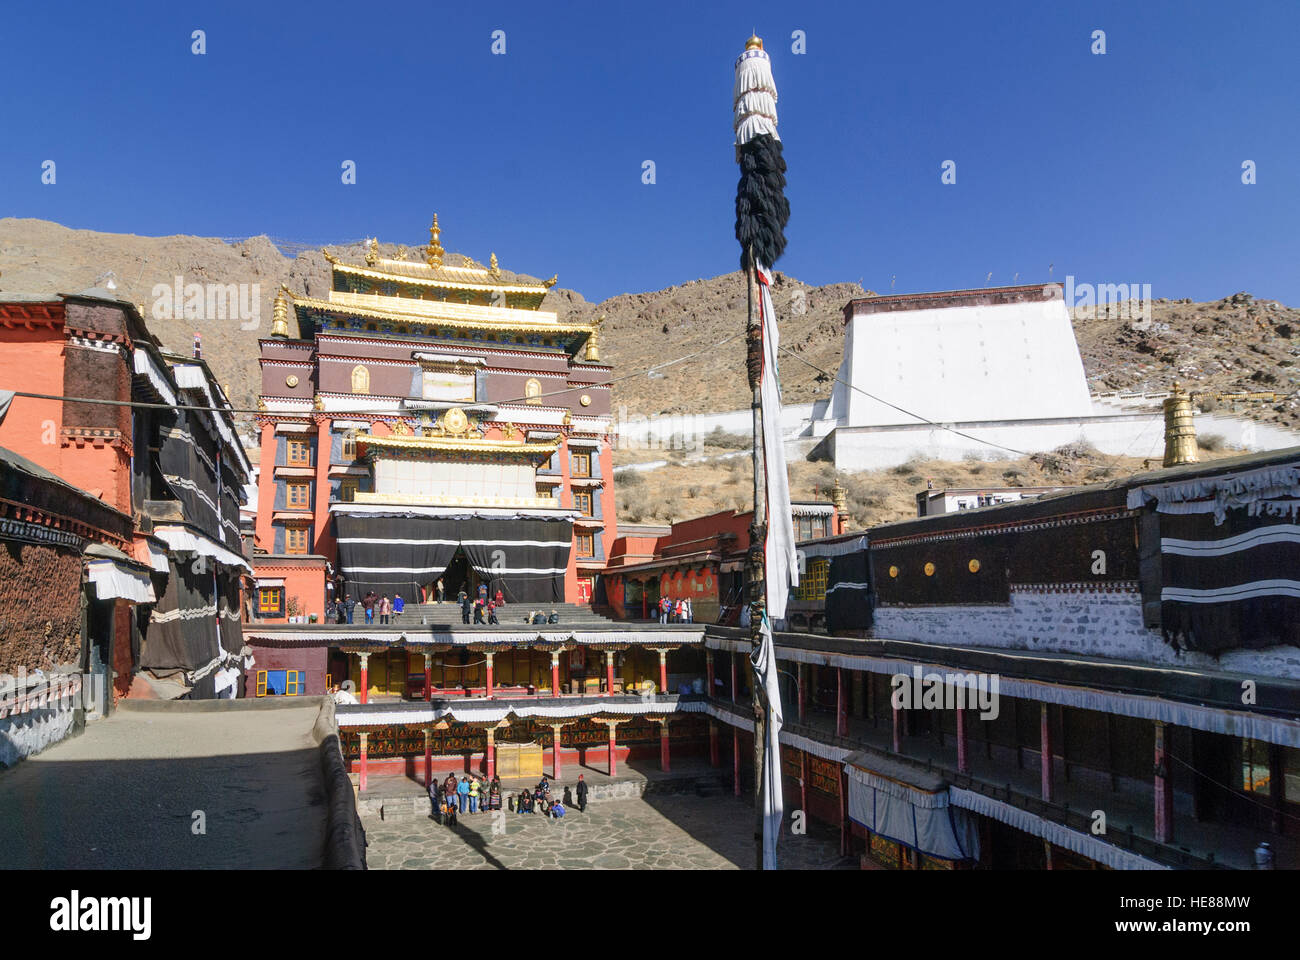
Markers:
point(1235, 344)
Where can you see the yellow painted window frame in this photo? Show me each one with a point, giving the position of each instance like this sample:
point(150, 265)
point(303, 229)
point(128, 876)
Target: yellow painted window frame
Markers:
point(261, 683)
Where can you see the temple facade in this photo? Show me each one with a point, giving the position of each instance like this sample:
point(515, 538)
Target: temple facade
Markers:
point(429, 422)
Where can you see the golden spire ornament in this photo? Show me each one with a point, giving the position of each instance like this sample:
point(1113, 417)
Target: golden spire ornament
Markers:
point(280, 315)
point(433, 253)
point(493, 268)
point(372, 252)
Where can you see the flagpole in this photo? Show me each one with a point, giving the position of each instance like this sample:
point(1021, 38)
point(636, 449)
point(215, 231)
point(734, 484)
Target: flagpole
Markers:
point(756, 557)
point(761, 215)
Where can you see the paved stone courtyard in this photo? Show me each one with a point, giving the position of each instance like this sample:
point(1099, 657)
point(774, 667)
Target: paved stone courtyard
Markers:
point(656, 832)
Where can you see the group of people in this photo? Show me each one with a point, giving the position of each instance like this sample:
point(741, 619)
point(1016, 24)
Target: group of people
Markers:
point(451, 797)
point(483, 608)
point(389, 609)
point(676, 611)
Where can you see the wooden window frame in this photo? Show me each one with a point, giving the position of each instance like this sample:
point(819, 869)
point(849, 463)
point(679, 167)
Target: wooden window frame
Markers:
point(346, 484)
point(304, 460)
point(275, 610)
point(292, 485)
point(305, 531)
point(261, 684)
point(587, 508)
point(589, 538)
point(581, 458)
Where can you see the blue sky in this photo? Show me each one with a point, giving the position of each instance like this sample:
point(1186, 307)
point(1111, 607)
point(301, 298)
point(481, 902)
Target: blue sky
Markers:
point(1119, 168)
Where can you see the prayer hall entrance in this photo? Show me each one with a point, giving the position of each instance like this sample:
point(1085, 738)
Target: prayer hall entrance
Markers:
point(519, 760)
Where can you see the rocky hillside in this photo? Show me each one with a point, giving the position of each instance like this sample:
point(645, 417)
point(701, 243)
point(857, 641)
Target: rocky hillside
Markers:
point(1234, 344)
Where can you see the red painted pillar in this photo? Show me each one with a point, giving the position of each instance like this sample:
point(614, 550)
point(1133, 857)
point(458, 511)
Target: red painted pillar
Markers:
point(489, 675)
point(361, 778)
point(713, 744)
point(490, 757)
point(663, 747)
point(1045, 736)
point(963, 766)
point(735, 753)
point(802, 685)
point(613, 745)
point(555, 673)
point(365, 678)
point(663, 670)
point(732, 655)
point(708, 672)
point(841, 704)
point(898, 722)
point(1164, 790)
point(428, 677)
point(556, 762)
point(428, 758)
point(609, 673)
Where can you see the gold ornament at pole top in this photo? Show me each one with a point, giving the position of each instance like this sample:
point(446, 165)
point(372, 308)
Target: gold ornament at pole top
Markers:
point(433, 253)
point(755, 42)
point(372, 252)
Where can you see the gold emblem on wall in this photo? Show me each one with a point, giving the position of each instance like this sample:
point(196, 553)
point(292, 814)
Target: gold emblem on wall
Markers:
point(291, 381)
point(533, 390)
point(454, 421)
point(585, 400)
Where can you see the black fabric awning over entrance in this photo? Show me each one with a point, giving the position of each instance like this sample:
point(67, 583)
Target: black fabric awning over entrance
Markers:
point(523, 557)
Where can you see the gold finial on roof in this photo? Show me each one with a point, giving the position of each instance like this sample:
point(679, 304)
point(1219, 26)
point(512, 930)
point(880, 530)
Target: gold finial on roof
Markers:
point(1180, 428)
point(372, 252)
point(433, 252)
point(280, 316)
point(329, 257)
point(754, 42)
point(402, 252)
point(551, 282)
point(593, 341)
point(493, 267)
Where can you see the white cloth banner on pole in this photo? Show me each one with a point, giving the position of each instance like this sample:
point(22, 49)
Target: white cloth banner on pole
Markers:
point(764, 661)
point(781, 567)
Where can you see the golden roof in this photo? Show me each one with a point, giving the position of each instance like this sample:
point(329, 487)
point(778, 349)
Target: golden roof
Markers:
point(438, 313)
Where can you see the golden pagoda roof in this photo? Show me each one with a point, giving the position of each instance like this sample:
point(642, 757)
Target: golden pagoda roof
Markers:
point(440, 313)
point(459, 278)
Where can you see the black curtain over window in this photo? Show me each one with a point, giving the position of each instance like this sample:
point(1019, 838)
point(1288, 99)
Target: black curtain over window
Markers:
point(848, 593)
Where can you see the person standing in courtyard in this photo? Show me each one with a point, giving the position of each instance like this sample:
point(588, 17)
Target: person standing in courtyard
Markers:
point(350, 605)
point(463, 599)
point(473, 795)
point(385, 609)
point(462, 793)
point(581, 791)
point(398, 606)
point(368, 605)
point(442, 591)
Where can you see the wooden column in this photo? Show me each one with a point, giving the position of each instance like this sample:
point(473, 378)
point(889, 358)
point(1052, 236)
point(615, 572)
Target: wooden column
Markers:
point(1045, 748)
point(613, 745)
point(802, 684)
point(963, 764)
point(735, 753)
point(663, 669)
point(732, 655)
point(803, 782)
point(557, 764)
point(898, 723)
point(361, 777)
point(1164, 790)
point(428, 757)
point(859, 700)
point(365, 677)
point(663, 745)
point(708, 674)
point(490, 755)
point(714, 759)
point(841, 704)
point(428, 677)
point(555, 673)
point(844, 812)
point(488, 688)
point(609, 673)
